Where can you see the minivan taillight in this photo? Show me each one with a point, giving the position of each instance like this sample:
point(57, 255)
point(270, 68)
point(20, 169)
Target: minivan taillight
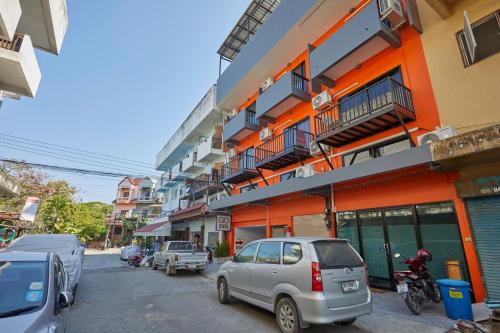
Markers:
point(317, 280)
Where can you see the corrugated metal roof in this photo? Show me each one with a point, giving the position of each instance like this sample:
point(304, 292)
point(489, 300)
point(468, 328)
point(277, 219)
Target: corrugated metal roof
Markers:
point(255, 15)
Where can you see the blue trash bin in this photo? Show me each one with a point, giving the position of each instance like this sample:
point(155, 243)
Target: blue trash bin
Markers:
point(456, 298)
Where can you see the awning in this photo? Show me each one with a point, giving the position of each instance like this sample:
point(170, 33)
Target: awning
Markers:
point(188, 213)
point(397, 161)
point(154, 229)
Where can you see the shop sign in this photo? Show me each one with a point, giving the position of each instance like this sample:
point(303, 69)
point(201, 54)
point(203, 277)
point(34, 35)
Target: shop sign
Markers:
point(479, 187)
point(223, 223)
point(30, 209)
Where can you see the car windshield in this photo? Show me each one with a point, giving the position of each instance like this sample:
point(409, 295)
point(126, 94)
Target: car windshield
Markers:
point(336, 254)
point(23, 286)
point(180, 246)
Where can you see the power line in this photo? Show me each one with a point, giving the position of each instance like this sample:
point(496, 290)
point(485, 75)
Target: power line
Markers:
point(71, 150)
point(71, 158)
point(69, 169)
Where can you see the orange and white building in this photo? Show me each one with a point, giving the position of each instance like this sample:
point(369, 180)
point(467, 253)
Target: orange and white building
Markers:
point(332, 109)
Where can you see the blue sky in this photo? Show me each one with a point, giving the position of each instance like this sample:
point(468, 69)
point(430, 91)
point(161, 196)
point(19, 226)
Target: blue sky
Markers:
point(127, 76)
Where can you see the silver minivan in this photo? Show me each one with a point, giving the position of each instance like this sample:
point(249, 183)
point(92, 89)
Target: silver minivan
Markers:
point(302, 280)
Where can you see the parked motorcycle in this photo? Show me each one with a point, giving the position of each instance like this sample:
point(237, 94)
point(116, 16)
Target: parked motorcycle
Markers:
point(417, 285)
point(135, 260)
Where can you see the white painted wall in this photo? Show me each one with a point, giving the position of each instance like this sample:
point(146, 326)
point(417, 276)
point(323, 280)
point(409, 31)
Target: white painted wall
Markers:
point(10, 13)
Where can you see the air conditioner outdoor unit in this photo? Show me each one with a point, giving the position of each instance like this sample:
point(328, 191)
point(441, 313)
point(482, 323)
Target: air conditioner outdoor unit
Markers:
point(265, 134)
point(314, 148)
point(392, 11)
point(439, 134)
point(304, 171)
point(231, 153)
point(267, 83)
point(322, 100)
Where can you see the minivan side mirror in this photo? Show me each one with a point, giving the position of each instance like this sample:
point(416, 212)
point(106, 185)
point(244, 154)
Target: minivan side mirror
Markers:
point(65, 299)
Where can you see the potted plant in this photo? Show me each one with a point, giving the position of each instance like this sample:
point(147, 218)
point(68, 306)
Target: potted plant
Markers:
point(221, 252)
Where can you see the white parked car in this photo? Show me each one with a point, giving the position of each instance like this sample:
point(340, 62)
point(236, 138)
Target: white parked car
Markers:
point(66, 246)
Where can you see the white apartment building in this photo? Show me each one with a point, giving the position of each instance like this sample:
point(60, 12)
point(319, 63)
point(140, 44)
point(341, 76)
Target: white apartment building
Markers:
point(24, 26)
point(191, 162)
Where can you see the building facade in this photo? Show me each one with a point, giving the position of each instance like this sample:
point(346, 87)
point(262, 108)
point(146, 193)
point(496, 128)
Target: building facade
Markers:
point(191, 161)
point(123, 206)
point(25, 25)
point(461, 41)
point(331, 106)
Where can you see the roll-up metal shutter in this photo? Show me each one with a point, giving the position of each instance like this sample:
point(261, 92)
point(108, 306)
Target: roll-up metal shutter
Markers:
point(484, 216)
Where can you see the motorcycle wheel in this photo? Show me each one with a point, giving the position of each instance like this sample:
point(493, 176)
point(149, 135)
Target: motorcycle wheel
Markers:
point(435, 294)
point(413, 302)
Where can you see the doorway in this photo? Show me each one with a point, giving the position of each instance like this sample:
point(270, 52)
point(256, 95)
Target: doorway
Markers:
point(378, 234)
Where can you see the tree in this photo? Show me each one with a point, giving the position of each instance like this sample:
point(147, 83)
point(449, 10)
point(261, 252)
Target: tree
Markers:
point(90, 220)
point(33, 184)
point(57, 214)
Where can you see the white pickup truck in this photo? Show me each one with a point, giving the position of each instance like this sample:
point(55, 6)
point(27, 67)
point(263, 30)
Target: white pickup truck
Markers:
point(176, 255)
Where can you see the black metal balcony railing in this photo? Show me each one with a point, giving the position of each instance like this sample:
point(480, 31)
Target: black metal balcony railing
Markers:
point(207, 182)
point(299, 82)
point(372, 106)
point(251, 118)
point(289, 147)
point(14, 45)
point(239, 169)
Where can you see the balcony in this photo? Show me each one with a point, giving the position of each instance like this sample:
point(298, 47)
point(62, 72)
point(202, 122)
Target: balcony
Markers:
point(240, 126)
point(148, 198)
point(239, 169)
point(190, 163)
point(287, 92)
point(123, 200)
point(10, 13)
point(363, 36)
point(377, 108)
point(207, 184)
point(19, 71)
point(8, 186)
point(210, 149)
point(45, 21)
point(289, 147)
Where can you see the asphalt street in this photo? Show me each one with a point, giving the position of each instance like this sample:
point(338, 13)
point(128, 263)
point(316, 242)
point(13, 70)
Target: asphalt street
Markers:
point(113, 297)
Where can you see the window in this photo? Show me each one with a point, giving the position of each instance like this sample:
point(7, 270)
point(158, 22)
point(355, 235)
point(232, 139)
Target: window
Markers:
point(287, 176)
point(125, 194)
point(180, 246)
point(248, 188)
point(292, 253)
point(336, 254)
point(269, 253)
point(247, 253)
point(384, 149)
point(58, 283)
point(485, 33)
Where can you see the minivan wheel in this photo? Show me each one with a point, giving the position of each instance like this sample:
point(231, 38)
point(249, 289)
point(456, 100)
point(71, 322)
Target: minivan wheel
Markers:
point(287, 316)
point(346, 322)
point(223, 291)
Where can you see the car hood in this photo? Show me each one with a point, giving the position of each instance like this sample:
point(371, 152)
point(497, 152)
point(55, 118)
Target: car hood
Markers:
point(33, 322)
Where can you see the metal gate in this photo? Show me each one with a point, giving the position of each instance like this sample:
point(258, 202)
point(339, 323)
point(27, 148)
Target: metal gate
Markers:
point(484, 216)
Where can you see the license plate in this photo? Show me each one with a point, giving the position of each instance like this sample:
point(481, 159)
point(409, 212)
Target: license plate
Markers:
point(402, 288)
point(349, 286)
point(191, 266)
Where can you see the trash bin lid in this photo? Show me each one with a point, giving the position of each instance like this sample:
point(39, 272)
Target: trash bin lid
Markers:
point(453, 283)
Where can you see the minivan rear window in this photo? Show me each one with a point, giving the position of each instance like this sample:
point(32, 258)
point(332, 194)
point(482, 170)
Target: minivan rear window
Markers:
point(336, 254)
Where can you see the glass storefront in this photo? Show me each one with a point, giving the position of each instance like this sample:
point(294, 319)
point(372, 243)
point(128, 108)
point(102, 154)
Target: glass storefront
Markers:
point(378, 234)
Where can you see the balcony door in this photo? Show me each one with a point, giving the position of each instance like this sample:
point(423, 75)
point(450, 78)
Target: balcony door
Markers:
point(247, 159)
point(295, 134)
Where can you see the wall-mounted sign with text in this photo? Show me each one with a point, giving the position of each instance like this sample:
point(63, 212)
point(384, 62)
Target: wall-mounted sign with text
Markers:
point(223, 223)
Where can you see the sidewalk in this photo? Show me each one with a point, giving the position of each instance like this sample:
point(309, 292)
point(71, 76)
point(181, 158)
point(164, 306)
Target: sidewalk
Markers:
point(390, 313)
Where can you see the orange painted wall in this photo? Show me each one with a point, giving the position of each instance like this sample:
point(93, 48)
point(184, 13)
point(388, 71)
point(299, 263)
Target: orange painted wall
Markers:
point(408, 187)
